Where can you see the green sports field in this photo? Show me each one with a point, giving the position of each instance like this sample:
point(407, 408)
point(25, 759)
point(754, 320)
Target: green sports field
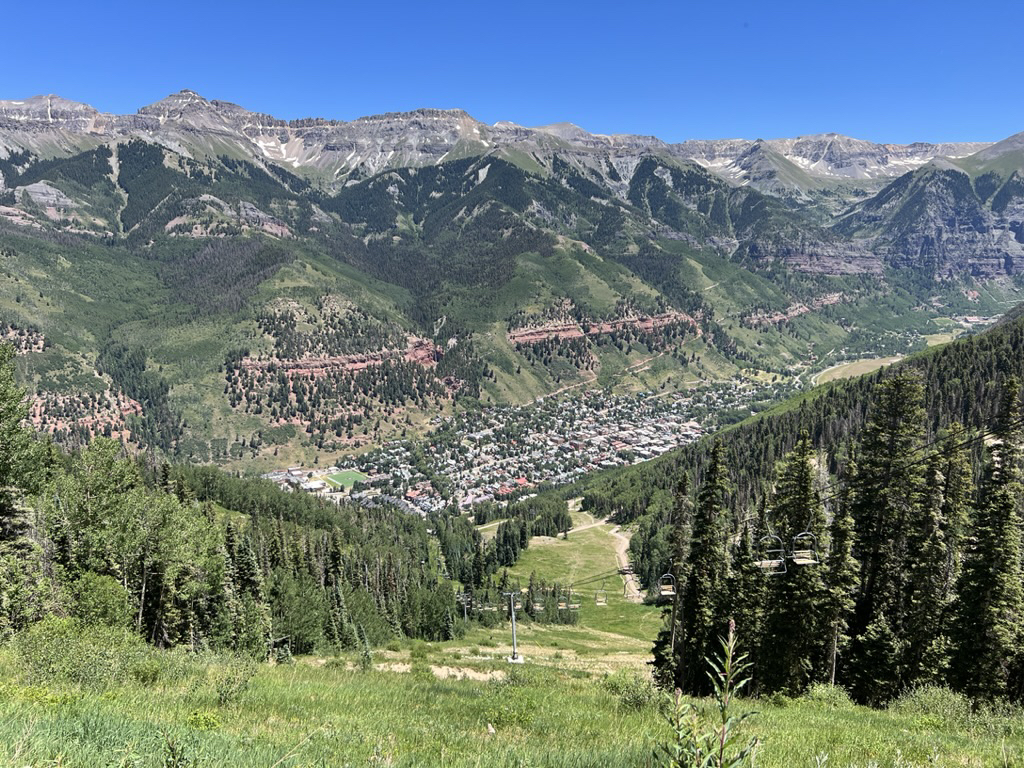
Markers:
point(346, 479)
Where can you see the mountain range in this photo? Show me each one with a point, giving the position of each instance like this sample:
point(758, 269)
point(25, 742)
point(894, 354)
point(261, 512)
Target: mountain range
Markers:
point(187, 123)
point(424, 257)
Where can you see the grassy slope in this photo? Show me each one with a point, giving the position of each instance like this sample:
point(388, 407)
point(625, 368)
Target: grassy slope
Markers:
point(309, 715)
point(431, 704)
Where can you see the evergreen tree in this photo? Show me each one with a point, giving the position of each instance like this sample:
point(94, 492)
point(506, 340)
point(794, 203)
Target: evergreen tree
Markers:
point(748, 592)
point(927, 647)
point(667, 650)
point(702, 604)
point(990, 626)
point(796, 635)
point(842, 571)
point(957, 502)
point(889, 487)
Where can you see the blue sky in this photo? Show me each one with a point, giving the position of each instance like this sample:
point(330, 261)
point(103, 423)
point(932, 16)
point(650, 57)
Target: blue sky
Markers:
point(894, 72)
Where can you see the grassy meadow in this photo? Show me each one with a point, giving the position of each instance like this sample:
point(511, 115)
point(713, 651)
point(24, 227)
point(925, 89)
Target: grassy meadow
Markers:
point(453, 704)
point(854, 368)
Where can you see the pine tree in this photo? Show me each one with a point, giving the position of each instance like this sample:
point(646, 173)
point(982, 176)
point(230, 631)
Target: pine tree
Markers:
point(667, 650)
point(957, 502)
point(927, 647)
point(842, 571)
point(889, 487)
point(702, 603)
point(989, 623)
point(796, 635)
point(748, 593)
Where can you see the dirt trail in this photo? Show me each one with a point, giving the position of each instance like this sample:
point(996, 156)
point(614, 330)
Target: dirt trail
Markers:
point(591, 377)
point(633, 592)
point(595, 524)
point(620, 541)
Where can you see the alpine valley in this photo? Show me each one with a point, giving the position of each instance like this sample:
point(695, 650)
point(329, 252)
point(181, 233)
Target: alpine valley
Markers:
point(221, 285)
point(475, 366)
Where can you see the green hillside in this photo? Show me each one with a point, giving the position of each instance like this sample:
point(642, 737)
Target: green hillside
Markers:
point(182, 281)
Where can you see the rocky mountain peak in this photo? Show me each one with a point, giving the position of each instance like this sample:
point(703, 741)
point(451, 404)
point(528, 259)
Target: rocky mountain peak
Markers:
point(567, 131)
point(45, 108)
point(177, 105)
point(823, 156)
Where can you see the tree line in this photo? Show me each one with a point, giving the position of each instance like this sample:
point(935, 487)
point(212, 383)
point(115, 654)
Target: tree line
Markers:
point(896, 571)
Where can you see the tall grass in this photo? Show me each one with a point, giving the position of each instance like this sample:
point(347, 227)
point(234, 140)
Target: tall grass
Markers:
point(333, 714)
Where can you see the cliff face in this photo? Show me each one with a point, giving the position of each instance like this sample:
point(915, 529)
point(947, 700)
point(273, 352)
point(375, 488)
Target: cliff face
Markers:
point(942, 221)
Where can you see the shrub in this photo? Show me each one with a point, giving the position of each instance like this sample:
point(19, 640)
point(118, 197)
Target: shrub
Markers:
point(232, 679)
point(511, 712)
point(147, 671)
point(202, 721)
point(934, 705)
point(419, 650)
point(830, 696)
point(101, 600)
point(517, 676)
point(633, 690)
point(66, 651)
point(421, 671)
point(778, 700)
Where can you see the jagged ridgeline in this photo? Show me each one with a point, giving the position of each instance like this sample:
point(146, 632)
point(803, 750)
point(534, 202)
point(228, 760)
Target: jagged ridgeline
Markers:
point(314, 286)
point(868, 533)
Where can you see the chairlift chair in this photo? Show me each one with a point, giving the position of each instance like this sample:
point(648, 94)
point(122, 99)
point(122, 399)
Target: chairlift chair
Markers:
point(805, 549)
point(667, 585)
point(538, 607)
point(563, 604)
point(600, 597)
point(771, 554)
point(573, 606)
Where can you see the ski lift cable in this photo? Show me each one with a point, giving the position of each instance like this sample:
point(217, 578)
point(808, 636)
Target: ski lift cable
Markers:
point(843, 485)
point(839, 484)
point(979, 438)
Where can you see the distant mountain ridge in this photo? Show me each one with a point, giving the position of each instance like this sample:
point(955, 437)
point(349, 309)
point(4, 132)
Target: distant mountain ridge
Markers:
point(186, 123)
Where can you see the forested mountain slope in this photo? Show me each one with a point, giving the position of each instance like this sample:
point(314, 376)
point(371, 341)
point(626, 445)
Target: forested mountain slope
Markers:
point(225, 287)
point(868, 533)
